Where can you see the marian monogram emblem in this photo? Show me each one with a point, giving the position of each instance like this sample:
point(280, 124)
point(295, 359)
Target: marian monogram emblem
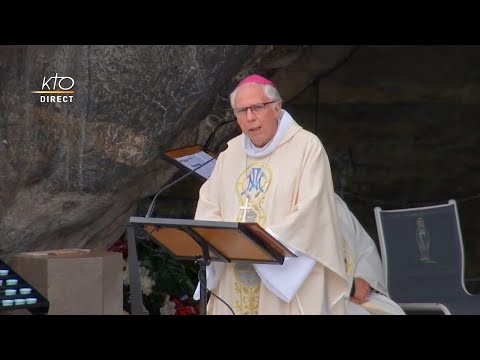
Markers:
point(252, 188)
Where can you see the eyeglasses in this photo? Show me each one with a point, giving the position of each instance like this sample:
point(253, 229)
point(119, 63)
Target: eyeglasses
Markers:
point(257, 109)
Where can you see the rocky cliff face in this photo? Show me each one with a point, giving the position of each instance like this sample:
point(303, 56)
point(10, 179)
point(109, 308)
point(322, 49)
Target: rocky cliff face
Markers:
point(72, 172)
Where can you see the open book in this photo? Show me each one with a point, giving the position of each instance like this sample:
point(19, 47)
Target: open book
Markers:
point(194, 160)
point(190, 157)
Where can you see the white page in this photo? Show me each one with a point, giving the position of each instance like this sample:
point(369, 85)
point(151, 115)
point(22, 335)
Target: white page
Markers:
point(195, 160)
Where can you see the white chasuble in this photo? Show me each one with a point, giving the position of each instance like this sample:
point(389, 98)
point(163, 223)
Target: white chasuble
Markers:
point(290, 193)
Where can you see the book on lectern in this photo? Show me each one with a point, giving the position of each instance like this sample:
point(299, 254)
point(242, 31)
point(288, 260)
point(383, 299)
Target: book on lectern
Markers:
point(190, 157)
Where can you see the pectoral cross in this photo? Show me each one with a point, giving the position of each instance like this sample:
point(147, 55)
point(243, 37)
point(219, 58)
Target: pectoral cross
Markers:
point(245, 208)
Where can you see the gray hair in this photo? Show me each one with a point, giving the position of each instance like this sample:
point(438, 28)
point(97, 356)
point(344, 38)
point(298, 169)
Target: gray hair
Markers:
point(271, 92)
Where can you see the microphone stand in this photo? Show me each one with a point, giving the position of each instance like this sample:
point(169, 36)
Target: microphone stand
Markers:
point(203, 261)
point(152, 205)
point(222, 148)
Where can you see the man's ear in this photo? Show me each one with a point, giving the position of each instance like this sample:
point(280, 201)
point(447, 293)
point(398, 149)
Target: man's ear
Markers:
point(278, 107)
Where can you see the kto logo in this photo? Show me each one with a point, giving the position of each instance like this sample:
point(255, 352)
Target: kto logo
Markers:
point(56, 85)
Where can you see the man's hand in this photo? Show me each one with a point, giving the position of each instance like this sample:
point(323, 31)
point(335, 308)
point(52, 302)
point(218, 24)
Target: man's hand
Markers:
point(362, 291)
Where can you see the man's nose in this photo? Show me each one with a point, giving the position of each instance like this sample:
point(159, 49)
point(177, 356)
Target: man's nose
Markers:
point(250, 115)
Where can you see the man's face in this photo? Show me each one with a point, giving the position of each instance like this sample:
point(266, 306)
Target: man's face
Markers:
point(256, 115)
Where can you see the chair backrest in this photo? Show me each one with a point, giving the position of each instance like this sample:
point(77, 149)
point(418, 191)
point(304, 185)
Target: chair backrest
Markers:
point(422, 253)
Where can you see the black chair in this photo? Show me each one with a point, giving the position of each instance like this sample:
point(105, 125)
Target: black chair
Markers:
point(422, 256)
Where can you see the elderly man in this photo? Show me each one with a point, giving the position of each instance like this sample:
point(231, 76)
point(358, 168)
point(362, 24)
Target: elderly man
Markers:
point(278, 175)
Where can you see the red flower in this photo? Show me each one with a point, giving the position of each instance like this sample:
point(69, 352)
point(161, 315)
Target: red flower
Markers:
point(120, 246)
point(184, 307)
point(177, 301)
point(185, 310)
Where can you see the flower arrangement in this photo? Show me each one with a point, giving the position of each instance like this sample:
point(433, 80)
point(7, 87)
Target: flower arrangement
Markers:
point(167, 284)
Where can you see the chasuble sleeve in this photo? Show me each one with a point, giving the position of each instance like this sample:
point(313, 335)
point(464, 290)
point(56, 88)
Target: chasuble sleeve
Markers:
point(312, 226)
point(368, 262)
point(360, 247)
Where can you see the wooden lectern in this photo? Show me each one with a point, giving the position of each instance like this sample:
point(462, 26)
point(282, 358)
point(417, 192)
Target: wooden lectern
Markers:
point(202, 242)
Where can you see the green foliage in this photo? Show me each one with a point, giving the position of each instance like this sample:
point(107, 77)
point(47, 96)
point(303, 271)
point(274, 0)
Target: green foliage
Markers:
point(172, 277)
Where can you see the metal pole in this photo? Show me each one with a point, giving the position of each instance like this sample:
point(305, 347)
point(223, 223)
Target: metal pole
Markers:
point(136, 300)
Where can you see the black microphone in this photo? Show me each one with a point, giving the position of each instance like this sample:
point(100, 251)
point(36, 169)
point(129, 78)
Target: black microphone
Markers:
point(222, 148)
point(210, 137)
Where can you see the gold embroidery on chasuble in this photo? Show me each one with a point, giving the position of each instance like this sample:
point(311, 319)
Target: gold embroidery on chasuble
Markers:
point(252, 188)
point(247, 289)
